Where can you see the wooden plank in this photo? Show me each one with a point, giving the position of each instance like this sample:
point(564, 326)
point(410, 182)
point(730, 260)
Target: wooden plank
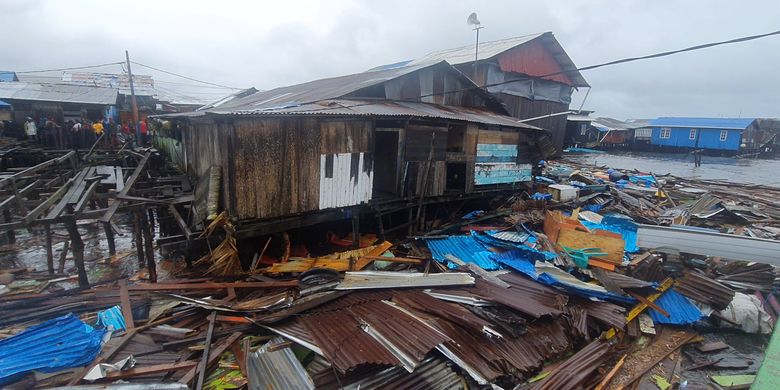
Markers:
point(148, 370)
point(129, 185)
point(6, 203)
point(213, 356)
point(82, 203)
point(72, 196)
point(209, 286)
point(36, 168)
point(48, 202)
point(202, 366)
point(127, 308)
point(120, 179)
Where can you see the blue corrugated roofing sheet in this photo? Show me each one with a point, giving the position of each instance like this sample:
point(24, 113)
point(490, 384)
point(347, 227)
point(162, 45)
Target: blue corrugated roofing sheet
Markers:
point(465, 248)
point(63, 342)
point(4, 104)
point(681, 310)
point(712, 123)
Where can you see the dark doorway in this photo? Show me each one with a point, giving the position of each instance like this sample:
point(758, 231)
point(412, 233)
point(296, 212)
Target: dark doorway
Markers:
point(385, 163)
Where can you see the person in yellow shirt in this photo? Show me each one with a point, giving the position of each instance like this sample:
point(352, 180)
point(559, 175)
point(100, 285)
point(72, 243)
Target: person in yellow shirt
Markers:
point(97, 127)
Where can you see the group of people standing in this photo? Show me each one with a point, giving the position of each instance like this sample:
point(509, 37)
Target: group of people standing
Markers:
point(83, 133)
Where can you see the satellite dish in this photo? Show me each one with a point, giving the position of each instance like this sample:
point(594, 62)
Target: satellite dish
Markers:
point(472, 20)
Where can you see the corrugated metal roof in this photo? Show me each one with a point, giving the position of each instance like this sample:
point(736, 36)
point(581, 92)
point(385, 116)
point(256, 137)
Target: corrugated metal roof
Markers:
point(405, 336)
point(58, 93)
point(465, 248)
point(491, 49)
point(681, 310)
point(271, 368)
point(611, 124)
point(605, 312)
point(574, 372)
point(4, 104)
point(388, 109)
point(703, 123)
point(54, 345)
point(425, 303)
point(342, 340)
point(465, 54)
point(701, 288)
point(313, 91)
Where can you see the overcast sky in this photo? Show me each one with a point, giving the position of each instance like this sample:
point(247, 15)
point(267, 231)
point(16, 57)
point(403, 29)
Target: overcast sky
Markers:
point(267, 44)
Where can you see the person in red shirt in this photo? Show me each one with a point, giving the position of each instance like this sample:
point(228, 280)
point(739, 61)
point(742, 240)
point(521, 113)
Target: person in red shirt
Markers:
point(144, 132)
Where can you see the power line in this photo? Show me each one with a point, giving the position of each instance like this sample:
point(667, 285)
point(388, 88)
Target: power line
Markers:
point(71, 68)
point(184, 77)
point(620, 61)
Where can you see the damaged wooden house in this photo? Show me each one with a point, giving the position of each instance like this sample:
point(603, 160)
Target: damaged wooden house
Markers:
point(392, 140)
point(532, 75)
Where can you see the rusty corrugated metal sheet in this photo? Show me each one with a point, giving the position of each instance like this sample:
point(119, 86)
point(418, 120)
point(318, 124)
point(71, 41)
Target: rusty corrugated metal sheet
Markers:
point(353, 298)
point(343, 341)
point(607, 313)
point(405, 336)
point(573, 373)
point(487, 359)
point(422, 302)
point(701, 288)
point(295, 330)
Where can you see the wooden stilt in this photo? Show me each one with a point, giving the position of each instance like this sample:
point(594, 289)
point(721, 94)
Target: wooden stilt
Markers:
point(380, 227)
point(139, 241)
point(49, 250)
point(78, 250)
point(355, 229)
point(63, 256)
point(11, 234)
point(110, 238)
point(146, 230)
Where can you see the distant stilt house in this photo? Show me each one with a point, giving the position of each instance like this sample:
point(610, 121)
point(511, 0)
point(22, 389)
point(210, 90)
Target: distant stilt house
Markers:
point(379, 140)
point(598, 132)
point(721, 135)
point(531, 75)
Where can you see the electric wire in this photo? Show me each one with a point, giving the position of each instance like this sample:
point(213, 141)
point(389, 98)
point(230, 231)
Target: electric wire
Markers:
point(70, 68)
point(184, 77)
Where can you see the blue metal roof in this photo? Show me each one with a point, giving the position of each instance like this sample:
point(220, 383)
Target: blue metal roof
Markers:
point(711, 123)
point(63, 342)
point(466, 248)
point(4, 104)
point(681, 310)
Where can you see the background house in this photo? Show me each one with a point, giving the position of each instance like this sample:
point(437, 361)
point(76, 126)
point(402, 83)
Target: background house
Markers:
point(542, 77)
point(717, 134)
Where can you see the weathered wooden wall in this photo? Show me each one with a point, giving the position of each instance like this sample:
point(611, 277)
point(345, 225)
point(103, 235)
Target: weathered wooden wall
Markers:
point(274, 166)
point(520, 107)
point(497, 159)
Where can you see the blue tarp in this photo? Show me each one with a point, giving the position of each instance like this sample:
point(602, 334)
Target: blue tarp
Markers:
point(63, 342)
point(621, 225)
point(465, 248)
point(681, 310)
point(4, 104)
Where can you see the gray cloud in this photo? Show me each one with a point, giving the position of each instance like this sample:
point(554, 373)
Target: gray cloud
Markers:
point(270, 44)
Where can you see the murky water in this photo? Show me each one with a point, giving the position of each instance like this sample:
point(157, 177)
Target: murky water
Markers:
point(746, 171)
point(30, 251)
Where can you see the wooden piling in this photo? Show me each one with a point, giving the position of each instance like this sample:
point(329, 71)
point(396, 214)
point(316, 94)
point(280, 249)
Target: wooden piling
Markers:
point(355, 229)
point(110, 238)
point(63, 256)
point(78, 250)
point(49, 250)
point(139, 241)
point(146, 230)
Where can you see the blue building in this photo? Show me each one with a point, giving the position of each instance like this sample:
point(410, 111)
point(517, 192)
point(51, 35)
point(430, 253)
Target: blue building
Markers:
point(725, 134)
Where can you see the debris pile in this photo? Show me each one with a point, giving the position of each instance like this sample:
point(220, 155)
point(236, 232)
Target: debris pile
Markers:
point(545, 292)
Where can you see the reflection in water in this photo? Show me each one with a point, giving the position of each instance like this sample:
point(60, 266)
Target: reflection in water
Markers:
point(747, 171)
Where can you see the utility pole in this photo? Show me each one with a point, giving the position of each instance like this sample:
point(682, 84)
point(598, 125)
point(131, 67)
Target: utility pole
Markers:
point(133, 102)
point(473, 21)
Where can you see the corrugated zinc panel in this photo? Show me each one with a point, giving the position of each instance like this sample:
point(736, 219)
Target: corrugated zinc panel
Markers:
point(465, 248)
point(346, 179)
point(271, 368)
point(681, 310)
point(712, 123)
